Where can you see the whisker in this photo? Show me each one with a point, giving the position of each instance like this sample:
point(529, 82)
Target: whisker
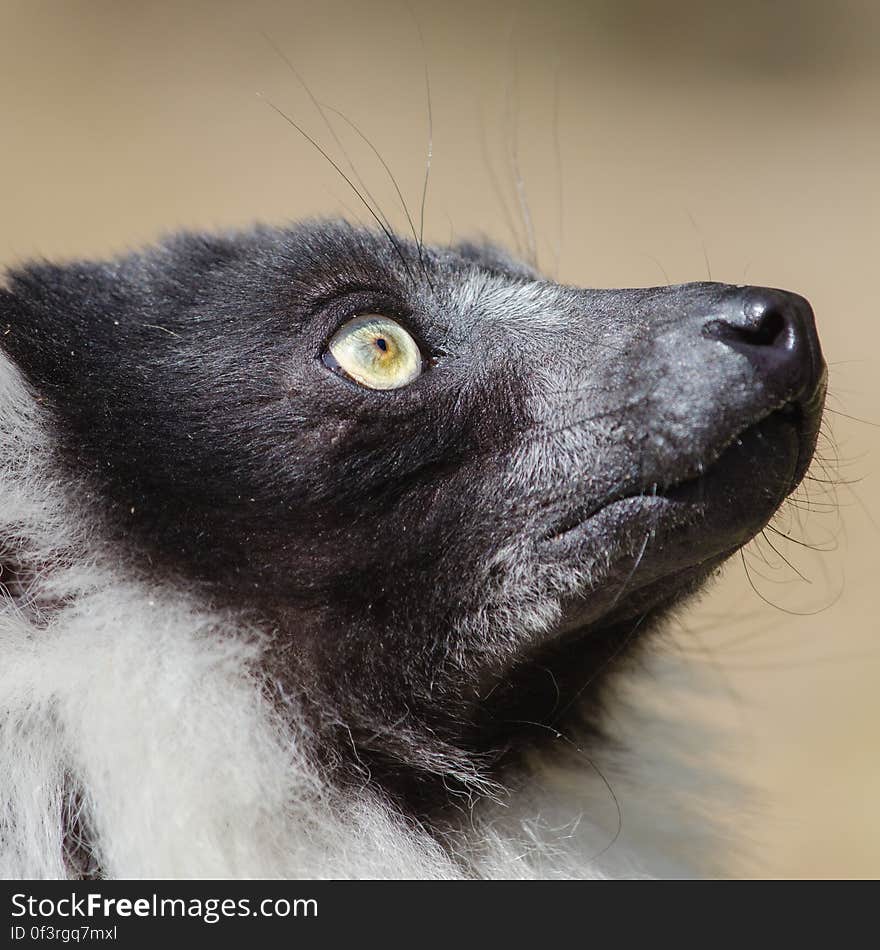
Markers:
point(702, 242)
point(557, 152)
point(786, 610)
point(846, 415)
point(430, 150)
point(780, 555)
point(804, 544)
point(348, 181)
point(512, 123)
point(615, 653)
point(329, 125)
point(387, 168)
point(657, 262)
point(496, 184)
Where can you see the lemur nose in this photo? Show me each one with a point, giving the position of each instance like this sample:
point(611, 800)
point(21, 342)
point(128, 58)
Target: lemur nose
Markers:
point(776, 331)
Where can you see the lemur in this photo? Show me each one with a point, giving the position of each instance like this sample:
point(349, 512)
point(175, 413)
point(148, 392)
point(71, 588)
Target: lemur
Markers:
point(325, 552)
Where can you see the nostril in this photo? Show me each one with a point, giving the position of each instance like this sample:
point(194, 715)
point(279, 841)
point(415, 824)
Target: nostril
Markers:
point(770, 330)
point(767, 328)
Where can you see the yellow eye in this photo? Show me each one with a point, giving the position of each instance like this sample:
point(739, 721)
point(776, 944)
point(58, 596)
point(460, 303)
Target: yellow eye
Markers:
point(376, 352)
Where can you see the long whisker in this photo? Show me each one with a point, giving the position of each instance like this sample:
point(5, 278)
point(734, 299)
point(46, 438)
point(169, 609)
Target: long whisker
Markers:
point(557, 152)
point(826, 549)
point(348, 181)
point(780, 555)
point(430, 150)
point(612, 656)
point(636, 563)
point(512, 115)
point(846, 415)
point(496, 184)
point(382, 161)
point(702, 242)
point(321, 111)
point(785, 610)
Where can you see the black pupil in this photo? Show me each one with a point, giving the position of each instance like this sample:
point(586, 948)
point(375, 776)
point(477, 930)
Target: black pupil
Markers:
point(382, 343)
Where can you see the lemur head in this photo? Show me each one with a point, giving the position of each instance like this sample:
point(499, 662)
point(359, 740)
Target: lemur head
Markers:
point(452, 493)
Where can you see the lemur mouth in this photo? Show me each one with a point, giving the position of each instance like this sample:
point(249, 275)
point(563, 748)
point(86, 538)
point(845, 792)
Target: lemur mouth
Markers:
point(769, 437)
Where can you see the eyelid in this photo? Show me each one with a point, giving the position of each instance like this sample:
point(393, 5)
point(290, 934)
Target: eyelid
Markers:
point(357, 301)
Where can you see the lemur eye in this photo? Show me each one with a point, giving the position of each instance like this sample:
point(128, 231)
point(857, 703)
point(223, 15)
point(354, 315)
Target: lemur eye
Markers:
point(376, 352)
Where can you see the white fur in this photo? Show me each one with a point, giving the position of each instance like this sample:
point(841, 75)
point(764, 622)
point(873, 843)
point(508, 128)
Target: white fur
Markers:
point(131, 702)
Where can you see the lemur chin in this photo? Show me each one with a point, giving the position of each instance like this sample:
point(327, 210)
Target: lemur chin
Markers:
point(326, 554)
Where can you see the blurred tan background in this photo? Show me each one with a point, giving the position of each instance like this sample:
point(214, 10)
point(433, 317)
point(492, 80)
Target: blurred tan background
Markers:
point(656, 143)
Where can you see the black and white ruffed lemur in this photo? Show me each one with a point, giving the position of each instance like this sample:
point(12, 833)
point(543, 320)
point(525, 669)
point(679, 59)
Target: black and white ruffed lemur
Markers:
point(326, 554)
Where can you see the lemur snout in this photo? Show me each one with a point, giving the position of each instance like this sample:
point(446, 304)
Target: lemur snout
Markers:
point(776, 330)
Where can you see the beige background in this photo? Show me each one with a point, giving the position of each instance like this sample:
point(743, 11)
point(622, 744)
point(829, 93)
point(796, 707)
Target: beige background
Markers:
point(657, 142)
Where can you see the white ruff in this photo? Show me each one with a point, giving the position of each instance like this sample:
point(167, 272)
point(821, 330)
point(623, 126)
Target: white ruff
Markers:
point(139, 720)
